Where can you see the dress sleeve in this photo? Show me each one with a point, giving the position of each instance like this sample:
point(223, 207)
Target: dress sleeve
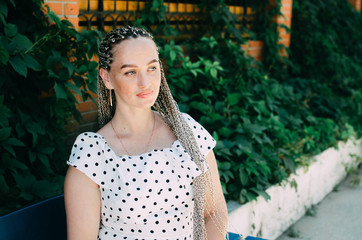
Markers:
point(205, 141)
point(88, 156)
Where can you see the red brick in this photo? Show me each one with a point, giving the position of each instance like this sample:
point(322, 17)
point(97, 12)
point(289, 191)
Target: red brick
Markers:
point(284, 35)
point(254, 52)
point(89, 117)
point(86, 106)
point(290, 2)
point(259, 58)
point(71, 9)
point(256, 43)
point(57, 8)
point(71, 126)
point(285, 42)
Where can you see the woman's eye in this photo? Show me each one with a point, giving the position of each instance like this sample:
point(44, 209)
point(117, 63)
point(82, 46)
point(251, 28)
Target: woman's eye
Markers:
point(152, 68)
point(129, 73)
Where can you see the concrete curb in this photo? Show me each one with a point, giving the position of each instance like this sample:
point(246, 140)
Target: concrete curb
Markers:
point(288, 204)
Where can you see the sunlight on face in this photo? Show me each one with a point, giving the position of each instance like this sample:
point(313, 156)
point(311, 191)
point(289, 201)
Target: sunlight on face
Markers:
point(135, 73)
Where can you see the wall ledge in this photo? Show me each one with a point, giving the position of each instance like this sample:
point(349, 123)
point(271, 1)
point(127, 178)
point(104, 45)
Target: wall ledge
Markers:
point(269, 219)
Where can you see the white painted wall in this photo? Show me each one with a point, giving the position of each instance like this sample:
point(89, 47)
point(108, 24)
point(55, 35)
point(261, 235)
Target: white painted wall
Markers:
point(270, 219)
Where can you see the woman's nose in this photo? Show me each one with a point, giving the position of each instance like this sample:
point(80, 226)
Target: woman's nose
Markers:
point(143, 80)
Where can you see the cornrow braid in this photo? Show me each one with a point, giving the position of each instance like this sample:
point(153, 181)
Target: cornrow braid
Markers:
point(168, 109)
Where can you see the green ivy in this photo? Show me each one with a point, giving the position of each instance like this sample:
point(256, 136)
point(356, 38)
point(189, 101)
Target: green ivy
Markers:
point(44, 62)
point(326, 60)
point(268, 117)
point(264, 124)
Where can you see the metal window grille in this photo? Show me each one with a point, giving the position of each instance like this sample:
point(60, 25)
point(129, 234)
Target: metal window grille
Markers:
point(183, 15)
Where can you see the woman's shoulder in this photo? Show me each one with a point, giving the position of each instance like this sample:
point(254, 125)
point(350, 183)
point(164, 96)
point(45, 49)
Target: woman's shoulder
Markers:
point(195, 125)
point(89, 137)
point(204, 139)
point(90, 155)
point(88, 143)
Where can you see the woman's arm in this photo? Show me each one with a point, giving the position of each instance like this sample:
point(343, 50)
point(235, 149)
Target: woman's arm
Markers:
point(82, 205)
point(213, 229)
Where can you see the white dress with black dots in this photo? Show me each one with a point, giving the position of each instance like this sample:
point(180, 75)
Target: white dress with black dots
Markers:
point(146, 196)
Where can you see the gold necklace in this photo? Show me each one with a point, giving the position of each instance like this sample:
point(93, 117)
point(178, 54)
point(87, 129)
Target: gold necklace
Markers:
point(149, 140)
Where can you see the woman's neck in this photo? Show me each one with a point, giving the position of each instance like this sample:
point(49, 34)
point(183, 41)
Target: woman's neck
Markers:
point(130, 122)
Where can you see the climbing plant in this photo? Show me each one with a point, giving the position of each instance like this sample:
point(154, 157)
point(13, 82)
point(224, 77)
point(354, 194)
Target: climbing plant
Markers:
point(326, 59)
point(268, 117)
point(263, 124)
point(44, 63)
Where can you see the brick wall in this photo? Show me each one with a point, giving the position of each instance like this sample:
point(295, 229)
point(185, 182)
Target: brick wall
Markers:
point(285, 19)
point(254, 49)
point(68, 9)
point(356, 4)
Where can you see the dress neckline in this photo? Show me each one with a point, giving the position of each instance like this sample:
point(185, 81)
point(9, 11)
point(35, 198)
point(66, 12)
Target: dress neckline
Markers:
point(174, 143)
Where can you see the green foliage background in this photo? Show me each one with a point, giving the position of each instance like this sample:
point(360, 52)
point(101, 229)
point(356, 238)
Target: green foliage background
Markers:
point(39, 54)
point(268, 117)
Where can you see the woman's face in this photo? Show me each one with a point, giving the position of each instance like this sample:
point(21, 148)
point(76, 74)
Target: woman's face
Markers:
point(135, 73)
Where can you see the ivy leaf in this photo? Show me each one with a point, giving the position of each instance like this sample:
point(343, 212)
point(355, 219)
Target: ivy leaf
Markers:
point(243, 177)
point(32, 156)
point(22, 42)
point(289, 164)
point(72, 87)
point(19, 65)
point(213, 72)
point(44, 159)
point(225, 165)
point(32, 63)
point(5, 114)
point(4, 55)
point(3, 9)
point(92, 65)
point(262, 193)
point(12, 163)
point(224, 131)
point(9, 149)
point(172, 55)
point(4, 133)
point(46, 150)
point(202, 107)
point(10, 30)
point(15, 142)
point(53, 17)
point(233, 98)
point(60, 91)
point(155, 4)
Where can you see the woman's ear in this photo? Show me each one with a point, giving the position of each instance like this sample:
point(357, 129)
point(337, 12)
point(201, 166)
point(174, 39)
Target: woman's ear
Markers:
point(105, 78)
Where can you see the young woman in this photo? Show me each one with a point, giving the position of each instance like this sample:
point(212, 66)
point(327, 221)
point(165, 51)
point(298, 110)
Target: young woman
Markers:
point(146, 174)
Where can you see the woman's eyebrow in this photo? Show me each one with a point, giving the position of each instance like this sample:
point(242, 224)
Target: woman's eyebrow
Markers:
point(152, 61)
point(128, 66)
point(133, 65)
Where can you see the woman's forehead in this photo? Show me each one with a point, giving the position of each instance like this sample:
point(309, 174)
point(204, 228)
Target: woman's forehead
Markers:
point(137, 51)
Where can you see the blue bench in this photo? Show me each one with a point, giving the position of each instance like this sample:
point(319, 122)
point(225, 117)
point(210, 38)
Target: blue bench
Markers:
point(44, 219)
point(234, 236)
point(38, 221)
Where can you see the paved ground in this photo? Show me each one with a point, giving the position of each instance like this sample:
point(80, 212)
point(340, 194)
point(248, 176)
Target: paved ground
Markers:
point(338, 216)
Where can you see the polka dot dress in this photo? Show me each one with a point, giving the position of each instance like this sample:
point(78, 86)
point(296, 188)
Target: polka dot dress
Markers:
point(147, 196)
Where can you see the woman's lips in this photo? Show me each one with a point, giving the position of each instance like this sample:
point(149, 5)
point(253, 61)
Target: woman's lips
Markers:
point(145, 94)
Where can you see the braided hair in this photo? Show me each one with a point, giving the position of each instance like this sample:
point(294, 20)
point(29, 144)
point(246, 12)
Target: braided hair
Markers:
point(167, 107)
